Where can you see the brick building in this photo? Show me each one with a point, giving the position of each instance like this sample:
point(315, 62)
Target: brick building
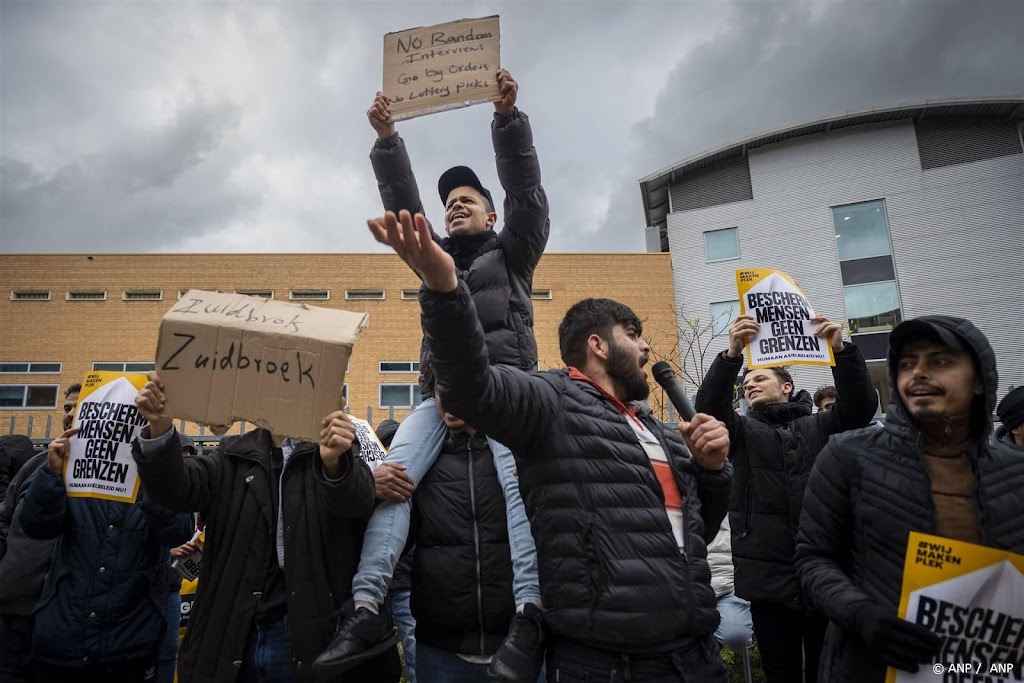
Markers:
point(64, 315)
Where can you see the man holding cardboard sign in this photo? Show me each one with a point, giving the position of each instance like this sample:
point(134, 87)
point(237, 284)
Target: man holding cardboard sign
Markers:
point(498, 268)
point(284, 523)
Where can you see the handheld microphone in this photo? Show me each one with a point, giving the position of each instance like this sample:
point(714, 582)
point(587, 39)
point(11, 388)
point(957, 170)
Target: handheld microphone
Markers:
point(666, 377)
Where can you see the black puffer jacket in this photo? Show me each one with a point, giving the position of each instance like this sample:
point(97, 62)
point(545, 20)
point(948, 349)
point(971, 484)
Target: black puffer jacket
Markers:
point(498, 266)
point(15, 451)
point(772, 450)
point(611, 574)
point(462, 569)
point(868, 490)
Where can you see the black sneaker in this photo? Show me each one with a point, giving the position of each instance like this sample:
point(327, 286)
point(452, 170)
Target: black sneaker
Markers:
point(521, 656)
point(362, 635)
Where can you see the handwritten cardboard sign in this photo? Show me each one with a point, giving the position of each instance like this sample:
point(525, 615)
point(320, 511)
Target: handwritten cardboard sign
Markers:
point(100, 463)
point(437, 68)
point(229, 357)
point(786, 336)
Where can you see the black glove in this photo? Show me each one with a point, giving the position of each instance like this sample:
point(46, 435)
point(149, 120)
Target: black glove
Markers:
point(894, 641)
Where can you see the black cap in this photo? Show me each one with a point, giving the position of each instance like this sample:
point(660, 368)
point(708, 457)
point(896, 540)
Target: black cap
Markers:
point(461, 176)
point(386, 432)
point(1011, 409)
point(923, 328)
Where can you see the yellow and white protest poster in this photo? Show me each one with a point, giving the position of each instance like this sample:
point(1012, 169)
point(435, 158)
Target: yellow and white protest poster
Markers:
point(782, 310)
point(436, 68)
point(371, 450)
point(972, 596)
point(188, 566)
point(100, 463)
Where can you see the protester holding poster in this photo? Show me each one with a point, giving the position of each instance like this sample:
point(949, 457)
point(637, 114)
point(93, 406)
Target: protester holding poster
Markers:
point(102, 614)
point(930, 469)
point(498, 267)
point(284, 523)
point(774, 446)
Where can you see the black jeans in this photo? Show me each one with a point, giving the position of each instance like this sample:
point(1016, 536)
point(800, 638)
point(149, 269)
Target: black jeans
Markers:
point(790, 642)
point(697, 661)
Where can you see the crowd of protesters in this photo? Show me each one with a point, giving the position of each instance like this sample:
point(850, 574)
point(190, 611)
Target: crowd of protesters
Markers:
point(524, 525)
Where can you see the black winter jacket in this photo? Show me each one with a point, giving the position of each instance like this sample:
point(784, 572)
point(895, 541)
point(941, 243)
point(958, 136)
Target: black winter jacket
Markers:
point(23, 560)
point(324, 522)
point(15, 451)
point(772, 450)
point(612, 576)
point(498, 266)
point(868, 490)
point(462, 568)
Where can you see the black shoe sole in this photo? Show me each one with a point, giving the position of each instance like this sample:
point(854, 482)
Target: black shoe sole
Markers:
point(328, 670)
point(504, 673)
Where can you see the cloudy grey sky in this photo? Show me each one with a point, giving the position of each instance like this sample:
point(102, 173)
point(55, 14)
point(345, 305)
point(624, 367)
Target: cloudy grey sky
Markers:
point(241, 126)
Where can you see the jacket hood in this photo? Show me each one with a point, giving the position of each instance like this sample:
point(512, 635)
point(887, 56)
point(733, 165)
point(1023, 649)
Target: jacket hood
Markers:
point(19, 449)
point(800, 405)
point(978, 346)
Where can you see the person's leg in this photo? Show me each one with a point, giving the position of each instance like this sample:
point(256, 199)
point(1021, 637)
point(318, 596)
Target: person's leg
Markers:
point(779, 640)
point(168, 655)
point(438, 666)
point(525, 582)
point(268, 655)
point(814, 628)
point(416, 445)
point(734, 628)
point(406, 624)
point(700, 660)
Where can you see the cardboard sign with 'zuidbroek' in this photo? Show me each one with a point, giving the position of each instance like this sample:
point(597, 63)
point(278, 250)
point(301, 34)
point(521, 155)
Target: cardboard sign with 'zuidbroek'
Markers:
point(229, 357)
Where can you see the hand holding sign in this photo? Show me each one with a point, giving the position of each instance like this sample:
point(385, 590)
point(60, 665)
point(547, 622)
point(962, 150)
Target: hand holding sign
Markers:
point(742, 330)
point(58, 450)
point(152, 405)
point(379, 115)
point(509, 90)
point(829, 331)
point(335, 439)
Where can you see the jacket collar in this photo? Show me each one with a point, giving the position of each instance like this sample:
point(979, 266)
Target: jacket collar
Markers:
point(784, 413)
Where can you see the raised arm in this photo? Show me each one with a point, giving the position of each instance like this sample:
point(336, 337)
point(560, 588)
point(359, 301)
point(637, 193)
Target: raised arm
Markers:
point(181, 484)
point(526, 229)
point(857, 402)
point(716, 391)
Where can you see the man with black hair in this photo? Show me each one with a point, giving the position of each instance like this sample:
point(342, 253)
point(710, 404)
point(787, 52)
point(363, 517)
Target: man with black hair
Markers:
point(931, 469)
point(1011, 414)
point(620, 507)
point(498, 267)
point(825, 398)
point(773, 448)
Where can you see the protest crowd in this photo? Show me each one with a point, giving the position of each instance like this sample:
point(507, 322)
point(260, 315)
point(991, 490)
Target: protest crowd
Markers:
point(523, 525)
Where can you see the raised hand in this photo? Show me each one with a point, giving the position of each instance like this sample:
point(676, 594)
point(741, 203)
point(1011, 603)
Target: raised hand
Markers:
point(740, 333)
point(379, 115)
point(508, 89)
point(410, 237)
point(152, 405)
point(830, 331)
point(335, 440)
point(58, 450)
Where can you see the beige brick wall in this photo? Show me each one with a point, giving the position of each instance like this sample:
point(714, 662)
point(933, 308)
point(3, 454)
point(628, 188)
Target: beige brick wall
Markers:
point(78, 333)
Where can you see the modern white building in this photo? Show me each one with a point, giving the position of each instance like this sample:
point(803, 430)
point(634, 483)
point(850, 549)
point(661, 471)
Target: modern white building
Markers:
point(880, 216)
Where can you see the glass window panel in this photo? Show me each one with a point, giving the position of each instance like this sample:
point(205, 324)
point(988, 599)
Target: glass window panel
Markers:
point(46, 368)
point(112, 367)
point(861, 230)
point(14, 367)
point(872, 308)
point(722, 315)
point(862, 270)
point(721, 245)
point(12, 395)
point(397, 395)
point(41, 397)
point(138, 367)
point(395, 366)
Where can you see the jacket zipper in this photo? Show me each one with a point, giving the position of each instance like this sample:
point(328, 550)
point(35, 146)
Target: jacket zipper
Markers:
point(476, 545)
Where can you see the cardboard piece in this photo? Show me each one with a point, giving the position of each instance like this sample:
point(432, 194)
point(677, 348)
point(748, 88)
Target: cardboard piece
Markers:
point(229, 357)
point(436, 68)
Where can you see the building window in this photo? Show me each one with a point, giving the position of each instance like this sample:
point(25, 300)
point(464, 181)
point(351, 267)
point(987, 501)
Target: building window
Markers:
point(87, 295)
point(540, 294)
point(722, 315)
point(15, 368)
point(129, 366)
point(861, 230)
point(721, 245)
point(364, 294)
point(182, 292)
point(261, 293)
point(30, 295)
point(309, 294)
point(872, 308)
point(399, 395)
point(28, 395)
point(410, 294)
point(399, 366)
point(142, 295)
